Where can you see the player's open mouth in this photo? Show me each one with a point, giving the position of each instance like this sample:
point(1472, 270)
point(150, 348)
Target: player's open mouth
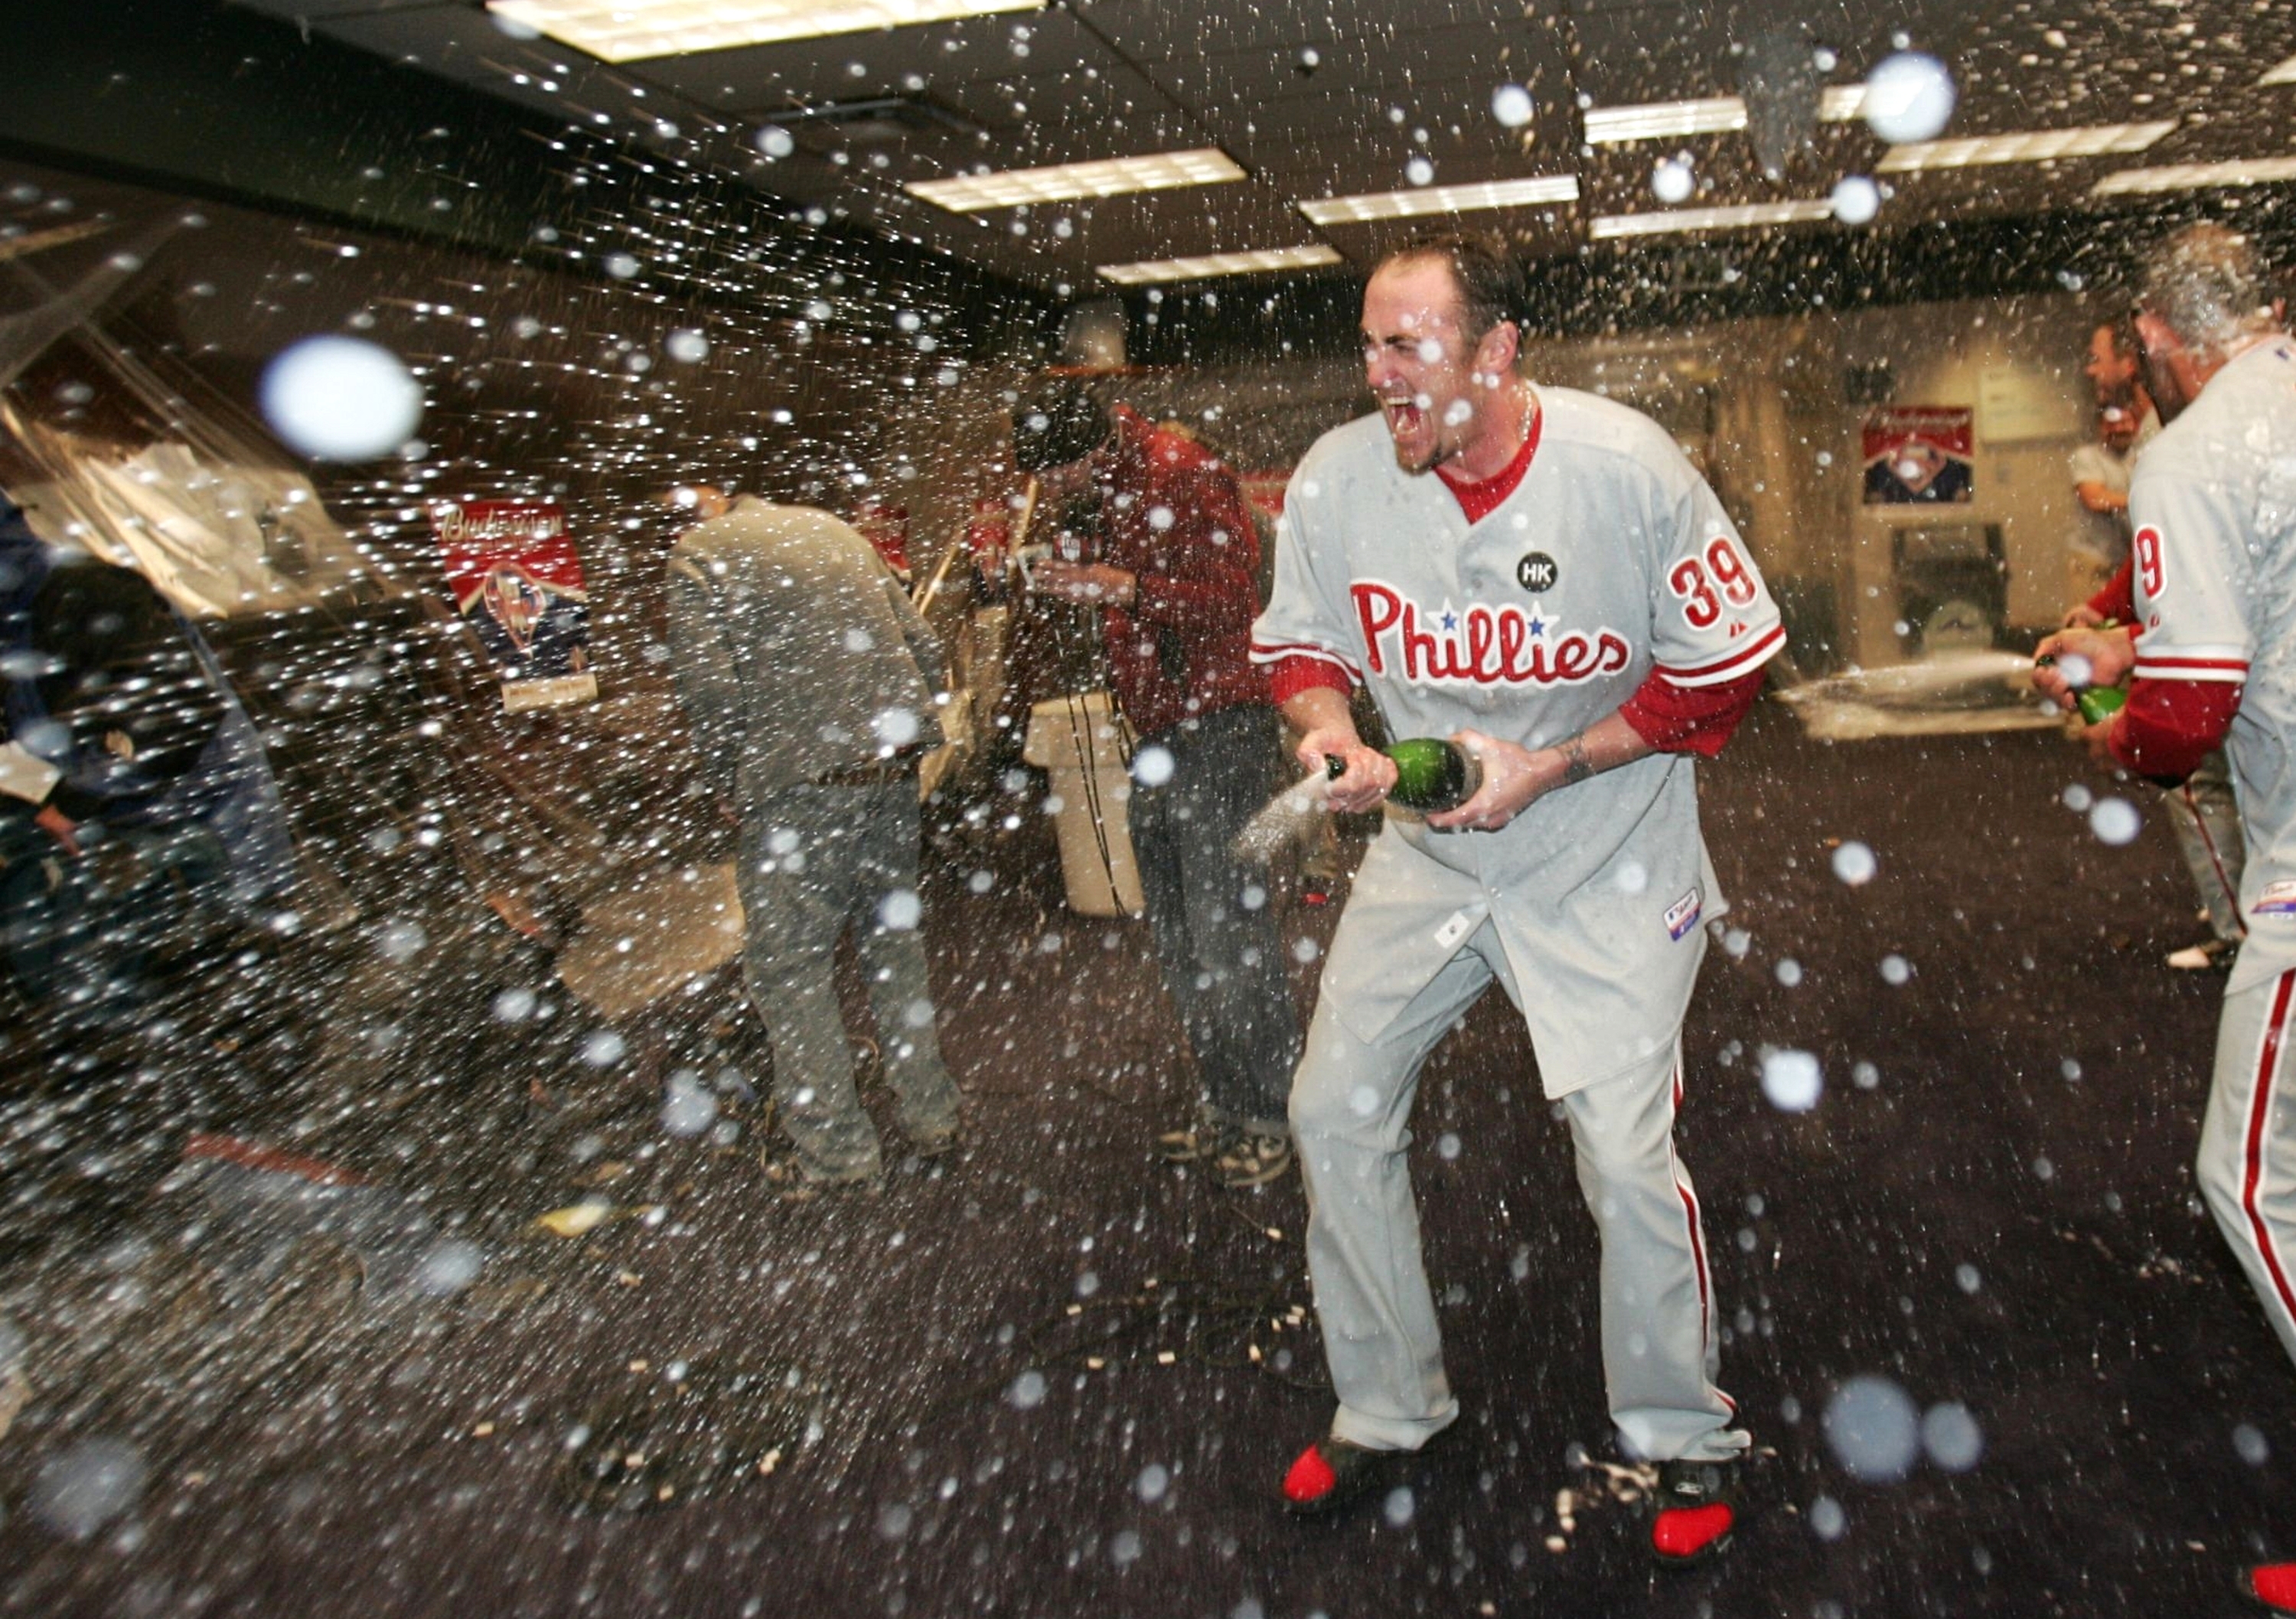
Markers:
point(1403, 416)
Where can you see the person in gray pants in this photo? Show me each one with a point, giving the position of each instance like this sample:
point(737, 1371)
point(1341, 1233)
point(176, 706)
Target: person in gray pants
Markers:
point(812, 688)
point(1539, 576)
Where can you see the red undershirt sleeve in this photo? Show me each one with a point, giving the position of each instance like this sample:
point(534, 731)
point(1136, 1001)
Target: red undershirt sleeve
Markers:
point(1689, 719)
point(2168, 726)
point(1288, 677)
point(2117, 601)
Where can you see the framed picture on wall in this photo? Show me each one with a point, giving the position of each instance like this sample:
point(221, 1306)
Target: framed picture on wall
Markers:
point(1919, 455)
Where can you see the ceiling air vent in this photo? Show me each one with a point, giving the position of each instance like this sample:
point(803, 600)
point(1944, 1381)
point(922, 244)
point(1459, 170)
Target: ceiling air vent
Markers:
point(880, 121)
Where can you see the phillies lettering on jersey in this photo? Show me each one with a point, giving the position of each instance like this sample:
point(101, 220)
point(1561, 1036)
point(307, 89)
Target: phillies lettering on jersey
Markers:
point(1484, 645)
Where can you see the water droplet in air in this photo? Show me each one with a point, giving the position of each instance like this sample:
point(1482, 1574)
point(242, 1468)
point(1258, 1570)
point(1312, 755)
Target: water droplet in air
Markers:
point(2115, 821)
point(1856, 200)
point(1512, 105)
point(688, 1106)
point(450, 1267)
point(1792, 1079)
point(79, 1490)
point(1908, 97)
point(1951, 1437)
point(340, 399)
point(896, 727)
point(1874, 1429)
point(1854, 864)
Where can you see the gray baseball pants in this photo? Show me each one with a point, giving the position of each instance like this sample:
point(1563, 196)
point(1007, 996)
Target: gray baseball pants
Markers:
point(1350, 1112)
point(2247, 1164)
point(816, 861)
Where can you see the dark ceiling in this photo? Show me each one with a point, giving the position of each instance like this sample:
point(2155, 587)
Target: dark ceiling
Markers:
point(1332, 97)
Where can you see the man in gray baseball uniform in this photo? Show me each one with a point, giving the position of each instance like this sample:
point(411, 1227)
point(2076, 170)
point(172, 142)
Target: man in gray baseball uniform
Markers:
point(810, 685)
point(1540, 575)
point(2210, 661)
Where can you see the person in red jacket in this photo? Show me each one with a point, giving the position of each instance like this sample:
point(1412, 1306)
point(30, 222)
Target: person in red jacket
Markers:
point(1173, 563)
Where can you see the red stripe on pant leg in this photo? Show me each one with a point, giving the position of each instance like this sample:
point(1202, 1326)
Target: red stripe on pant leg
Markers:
point(1697, 1235)
point(2259, 1110)
point(1698, 1253)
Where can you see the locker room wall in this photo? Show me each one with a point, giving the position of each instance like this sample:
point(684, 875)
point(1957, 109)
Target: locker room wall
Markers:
point(1765, 405)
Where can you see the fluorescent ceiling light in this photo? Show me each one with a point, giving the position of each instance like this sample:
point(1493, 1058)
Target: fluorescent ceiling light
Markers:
point(1219, 264)
point(1714, 115)
point(1065, 182)
point(1662, 120)
point(2195, 177)
point(1672, 221)
point(2032, 146)
point(2285, 74)
point(1840, 104)
point(632, 30)
point(1442, 199)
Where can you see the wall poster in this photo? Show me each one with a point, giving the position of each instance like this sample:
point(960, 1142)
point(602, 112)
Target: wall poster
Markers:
point(1919, 455)
point(518, 584)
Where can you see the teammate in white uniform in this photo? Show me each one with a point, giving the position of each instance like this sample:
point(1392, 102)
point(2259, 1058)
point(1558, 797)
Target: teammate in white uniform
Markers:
point(2214, 661)
point(1540, 574)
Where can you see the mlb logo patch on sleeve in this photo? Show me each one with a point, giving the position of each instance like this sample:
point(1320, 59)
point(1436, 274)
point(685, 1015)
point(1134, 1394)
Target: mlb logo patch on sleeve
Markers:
point(2278, 899)
point(1682, 915)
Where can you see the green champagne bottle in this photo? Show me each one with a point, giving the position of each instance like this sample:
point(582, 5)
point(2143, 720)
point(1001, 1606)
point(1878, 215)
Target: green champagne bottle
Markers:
point(1431, 775)
point(2098, 704)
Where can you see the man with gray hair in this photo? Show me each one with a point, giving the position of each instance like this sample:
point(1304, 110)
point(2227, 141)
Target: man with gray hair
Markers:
point(2210, 661)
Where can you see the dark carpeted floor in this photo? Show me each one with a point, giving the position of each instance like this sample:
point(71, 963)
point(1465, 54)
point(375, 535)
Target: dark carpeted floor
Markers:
point(1050, 1378)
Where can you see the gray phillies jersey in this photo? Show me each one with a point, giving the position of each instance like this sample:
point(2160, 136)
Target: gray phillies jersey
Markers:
point(794, 649)
point(1610, 557)
point(2213, 504)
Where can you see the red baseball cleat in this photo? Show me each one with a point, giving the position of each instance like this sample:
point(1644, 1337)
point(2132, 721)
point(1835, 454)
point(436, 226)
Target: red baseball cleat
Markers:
point(1331, 1473)
point(1692, 1512)
point(2273, 1586)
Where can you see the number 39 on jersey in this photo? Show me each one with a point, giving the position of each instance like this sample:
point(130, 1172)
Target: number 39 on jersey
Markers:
point(1705, 581)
